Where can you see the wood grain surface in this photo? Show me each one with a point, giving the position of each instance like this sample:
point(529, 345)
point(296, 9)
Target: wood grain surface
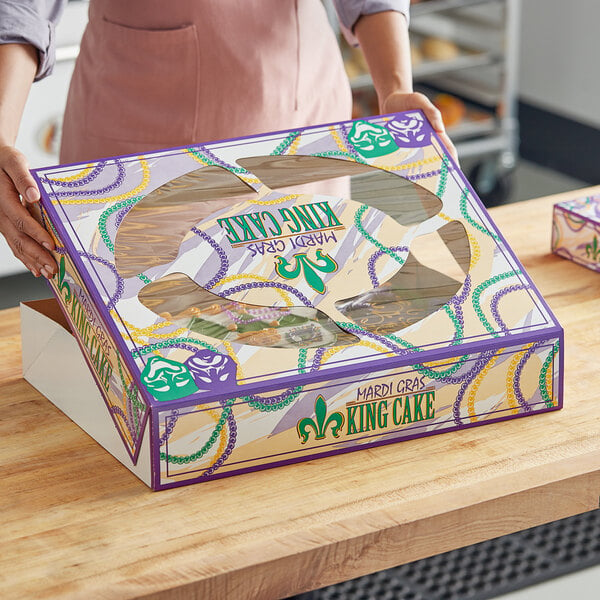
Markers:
point(77, 525)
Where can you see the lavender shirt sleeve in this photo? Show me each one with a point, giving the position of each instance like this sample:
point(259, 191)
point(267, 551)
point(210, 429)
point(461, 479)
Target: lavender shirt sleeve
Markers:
point(349, 11)
point(32, 22)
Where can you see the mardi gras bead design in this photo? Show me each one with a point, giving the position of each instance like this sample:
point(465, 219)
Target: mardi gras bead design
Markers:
point(239, 297)
point(166, 379)
point(371, 140)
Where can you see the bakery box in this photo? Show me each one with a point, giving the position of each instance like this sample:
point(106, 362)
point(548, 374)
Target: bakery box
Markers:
point(255, 302)
point(576, 231)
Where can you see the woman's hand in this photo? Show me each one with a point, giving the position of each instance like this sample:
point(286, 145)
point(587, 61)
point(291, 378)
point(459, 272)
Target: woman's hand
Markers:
point(398, 102)
point(28, 240)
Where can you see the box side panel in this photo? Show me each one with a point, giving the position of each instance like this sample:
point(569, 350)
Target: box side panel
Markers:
point(54, 365)
point(576, 238)
point(248, 433)
point(121, 395)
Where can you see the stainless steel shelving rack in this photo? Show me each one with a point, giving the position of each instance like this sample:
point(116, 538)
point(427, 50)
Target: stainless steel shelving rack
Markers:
point(488, 77)
point(484, 76)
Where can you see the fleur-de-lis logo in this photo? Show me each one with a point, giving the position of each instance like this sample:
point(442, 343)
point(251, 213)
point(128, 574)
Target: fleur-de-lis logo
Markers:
point(593, 250)
point(308, 268)
point(320, 423)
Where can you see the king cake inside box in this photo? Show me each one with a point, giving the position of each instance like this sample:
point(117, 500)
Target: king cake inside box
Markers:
point(260, 301)
point(576, 231)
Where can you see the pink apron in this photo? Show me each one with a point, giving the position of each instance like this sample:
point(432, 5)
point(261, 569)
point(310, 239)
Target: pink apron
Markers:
point(153, 74)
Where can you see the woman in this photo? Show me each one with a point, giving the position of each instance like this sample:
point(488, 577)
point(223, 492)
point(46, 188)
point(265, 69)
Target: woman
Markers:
point(152, 74)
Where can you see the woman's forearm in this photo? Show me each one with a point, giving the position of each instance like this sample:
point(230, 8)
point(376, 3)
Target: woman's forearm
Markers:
point(384, 40)
point(18, 66)
point(385, 43)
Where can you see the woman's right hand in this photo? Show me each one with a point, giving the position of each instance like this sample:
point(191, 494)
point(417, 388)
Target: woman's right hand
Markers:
point(28, 240)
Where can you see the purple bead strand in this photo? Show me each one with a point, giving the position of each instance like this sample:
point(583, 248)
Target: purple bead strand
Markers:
point(267, 284)
point(230, 444)
point(518, 371)
point(117, 411)
point(109, 188)
point(120, 284)
point(373, 259)
point(480, 364)
point(419, 176)
point(121, 215)
point(458, 301)
point(382, 340)
point(79, 182)
point(222, 272)
point(171, 421)
point(496, 299)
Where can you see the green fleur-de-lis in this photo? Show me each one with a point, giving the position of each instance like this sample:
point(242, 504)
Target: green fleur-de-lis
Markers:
point(593, 250)
point(322, 422)
point(308, 268)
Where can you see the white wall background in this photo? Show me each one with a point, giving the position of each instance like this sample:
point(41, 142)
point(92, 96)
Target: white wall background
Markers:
point(560, 57)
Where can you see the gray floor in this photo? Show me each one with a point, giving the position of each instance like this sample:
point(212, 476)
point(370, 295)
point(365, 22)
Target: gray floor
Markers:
point(529, 181)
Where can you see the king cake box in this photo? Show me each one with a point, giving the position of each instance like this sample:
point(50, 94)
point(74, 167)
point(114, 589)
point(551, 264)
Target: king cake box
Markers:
point(576, 231)
point(255, 302)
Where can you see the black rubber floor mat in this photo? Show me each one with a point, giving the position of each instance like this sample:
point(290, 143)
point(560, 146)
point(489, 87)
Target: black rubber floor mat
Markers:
point(485, 570)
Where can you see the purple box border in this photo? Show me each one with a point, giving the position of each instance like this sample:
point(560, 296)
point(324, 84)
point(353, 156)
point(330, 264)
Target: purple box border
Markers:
point(198, 398)
point(262, 386)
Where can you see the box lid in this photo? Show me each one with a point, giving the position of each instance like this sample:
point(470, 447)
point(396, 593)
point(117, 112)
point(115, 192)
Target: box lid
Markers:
point(587, 207)
point(240, 266)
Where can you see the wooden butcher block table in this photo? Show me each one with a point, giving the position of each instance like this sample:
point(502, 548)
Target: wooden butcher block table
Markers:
point(77, 524)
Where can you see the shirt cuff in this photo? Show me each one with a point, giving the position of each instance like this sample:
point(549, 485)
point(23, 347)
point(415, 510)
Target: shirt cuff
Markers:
point(349, 11)
point(25, 29)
